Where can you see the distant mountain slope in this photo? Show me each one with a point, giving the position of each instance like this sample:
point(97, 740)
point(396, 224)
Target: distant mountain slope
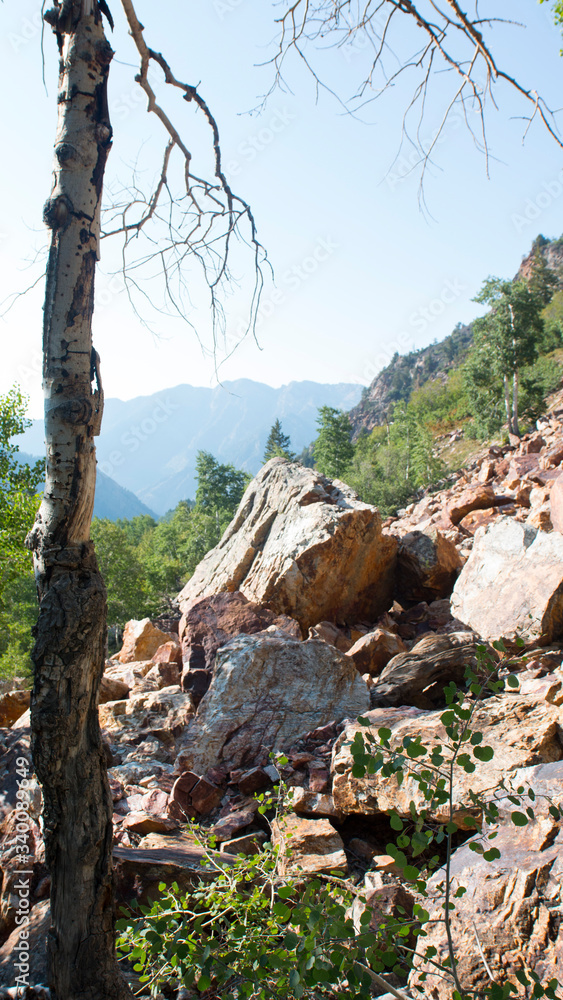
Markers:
point(111, 500)
point(149, 444)
point(408, 372)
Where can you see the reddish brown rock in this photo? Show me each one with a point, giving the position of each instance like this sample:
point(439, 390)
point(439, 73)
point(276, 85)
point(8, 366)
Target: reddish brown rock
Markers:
point(475, 498)
point(226, 827)
point(305, 546)
point(510, 905)
point(267, 690)
point(522, 495)
point(112, 689)
point(140, 641)
point(373, 651)
point(13, 704)
point(169, 652)
point(329, 632)
point(418, 677)
point(159, 676)
point(540, 517)
point(552, 457)
point(251, 843)
point(191, 795)
point(521, 730)
point(309, 845)
point(251, 781)
point(382, 900)
point(533, 445)
point(142, 822)
point(487, 471)
point(483, 518)
point(180, 804)
point(522, 465)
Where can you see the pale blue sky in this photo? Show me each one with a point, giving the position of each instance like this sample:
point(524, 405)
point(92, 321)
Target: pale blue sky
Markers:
point(360, 271)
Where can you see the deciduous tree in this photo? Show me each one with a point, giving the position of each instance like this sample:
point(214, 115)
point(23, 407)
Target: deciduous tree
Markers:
point(333, 448)
point(506, 339)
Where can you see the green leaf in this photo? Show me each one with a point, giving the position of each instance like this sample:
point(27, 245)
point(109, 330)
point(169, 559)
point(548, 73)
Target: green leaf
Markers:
point(294, 978)
point(512, 681)
point(492, 855)
point(483, 753)
point(396, 822)
point(519, 819)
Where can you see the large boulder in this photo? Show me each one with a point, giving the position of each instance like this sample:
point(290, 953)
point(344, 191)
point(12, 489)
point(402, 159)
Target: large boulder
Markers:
point(521, 730)
point(418, 677)
point(428, 565)
point(266, 691)
point(512, 583)
point(305, 546)
point(511, 906)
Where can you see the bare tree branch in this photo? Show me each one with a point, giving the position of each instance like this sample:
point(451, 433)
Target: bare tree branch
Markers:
point(197, 224)
point(452, 41)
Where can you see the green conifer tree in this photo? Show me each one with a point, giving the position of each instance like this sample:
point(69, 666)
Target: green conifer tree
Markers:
point(278, 444)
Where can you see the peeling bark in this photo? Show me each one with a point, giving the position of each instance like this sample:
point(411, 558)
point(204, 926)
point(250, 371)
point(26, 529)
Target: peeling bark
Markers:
point(70, 635)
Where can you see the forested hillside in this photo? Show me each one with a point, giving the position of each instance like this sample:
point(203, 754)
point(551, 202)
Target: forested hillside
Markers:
point(438, 363)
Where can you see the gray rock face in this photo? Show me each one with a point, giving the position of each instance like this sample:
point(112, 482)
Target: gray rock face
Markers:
point(305, 546)
point(512, 583)
point(266, 691)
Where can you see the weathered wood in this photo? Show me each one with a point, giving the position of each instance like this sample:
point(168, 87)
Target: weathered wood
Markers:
point(70, 635)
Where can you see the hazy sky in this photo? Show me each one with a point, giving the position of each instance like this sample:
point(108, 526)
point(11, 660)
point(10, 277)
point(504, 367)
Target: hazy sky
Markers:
point(360, 271)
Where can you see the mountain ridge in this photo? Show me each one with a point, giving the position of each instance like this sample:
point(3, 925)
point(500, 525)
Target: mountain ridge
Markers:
point(149, 444)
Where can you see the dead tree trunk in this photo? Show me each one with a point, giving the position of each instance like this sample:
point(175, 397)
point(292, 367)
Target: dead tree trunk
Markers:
point(70, 637)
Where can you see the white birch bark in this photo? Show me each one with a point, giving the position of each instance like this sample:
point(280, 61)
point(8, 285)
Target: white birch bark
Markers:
point(70, 639)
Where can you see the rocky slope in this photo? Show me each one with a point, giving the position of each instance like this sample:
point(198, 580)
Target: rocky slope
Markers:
point(309, 613)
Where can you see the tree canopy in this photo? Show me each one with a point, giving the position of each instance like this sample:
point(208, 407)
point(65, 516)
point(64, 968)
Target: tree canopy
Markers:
point(333, 449)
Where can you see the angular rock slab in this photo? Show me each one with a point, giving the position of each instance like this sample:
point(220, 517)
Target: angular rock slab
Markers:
point(522, 731)
point(512, 904)
point(267, 690)
point(512, 584)
point(303, 545)
point(141, 639)
point(308, 845)
point(418, 677)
